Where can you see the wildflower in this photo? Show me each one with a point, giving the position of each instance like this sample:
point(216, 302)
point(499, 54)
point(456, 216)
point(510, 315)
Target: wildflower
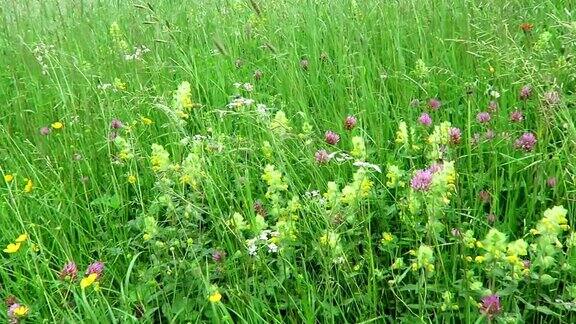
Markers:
point(215, 297)
point(12, 248)
point(434, 104)
point(484, 196)
point(455, 135)
point(526, 27)
point(272, 248)
point(29, 186)
point(146, 121)
point(455, 232)
point(387, 238)
point(491, 218)
point(526, 142)
point(483, 117)
point(96, 268)
point(218, 256)
point(257, 75)
point(69, 271)
point(182, 100)
point(88, 281)
point(119, 85)
point(132, 179)
point(491, 305)
point(331, 137)
point(516, 116)
point(350, 122)
point(259, 208)
point(425, 119)
point(414, 103)
point(57, 125)
point(22, 238)
point(525, 92)
point(492, 106)
point(322, 156)
point(490, 134)
point(358, 147)
point(8, 178)
point(17, 311)
point(402, 133)
point(280, 124)
point(116, 124)
point(393, 176)
point(45, 131)
point(551, 182)
point(424, 258)
point(304, 64)
point(421, 180)
point(551, 98)
point(160, 158)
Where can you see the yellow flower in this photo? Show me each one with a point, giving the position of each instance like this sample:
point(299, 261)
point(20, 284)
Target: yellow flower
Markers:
point(8, 178)
point(22, 238)
point(87, 281)
point(57, 125)
point(29, 186)
point(132, 179)
point(21, 311)
point(215, 297)
point(146, 121)
point(12, 248)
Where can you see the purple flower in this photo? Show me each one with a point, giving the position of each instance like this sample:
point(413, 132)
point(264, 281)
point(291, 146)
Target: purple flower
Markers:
point(435, 167)
point(455, 135)
point(322, 156)
point(421, 180)
point(116, 124)
point(69, 271)
point(11, 314)
point(434, 104)
point(44, 131)
point(551, 182)
point(526, 142)
point(475, 139)
point(516, 116)
point(491, 305)
point(425, 119)
point(96, 267)
point(218, 256)
point(331, 137)
point(525, 92)
point(526, 263)
point(350, 122)
point(492, 106)
point(483, 117)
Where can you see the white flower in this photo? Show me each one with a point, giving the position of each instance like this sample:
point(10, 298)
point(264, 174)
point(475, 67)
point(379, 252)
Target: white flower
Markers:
point(248, 87)
point(362, 164)
point(272, 248)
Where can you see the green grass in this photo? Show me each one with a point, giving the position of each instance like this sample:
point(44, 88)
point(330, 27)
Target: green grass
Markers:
point(156, 236)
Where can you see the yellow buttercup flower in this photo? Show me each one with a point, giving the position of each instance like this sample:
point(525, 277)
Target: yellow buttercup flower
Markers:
point(215, 297)
point(8, 178)
point(87, 281)
point(22, 238)
point(12, 248)
point(57, 125)
point(29, 186)
point(132, 179)
point(21, 311)
point(146, 121)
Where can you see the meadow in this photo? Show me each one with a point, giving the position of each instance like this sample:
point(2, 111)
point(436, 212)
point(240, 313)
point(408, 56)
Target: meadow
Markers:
point(288, 161)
